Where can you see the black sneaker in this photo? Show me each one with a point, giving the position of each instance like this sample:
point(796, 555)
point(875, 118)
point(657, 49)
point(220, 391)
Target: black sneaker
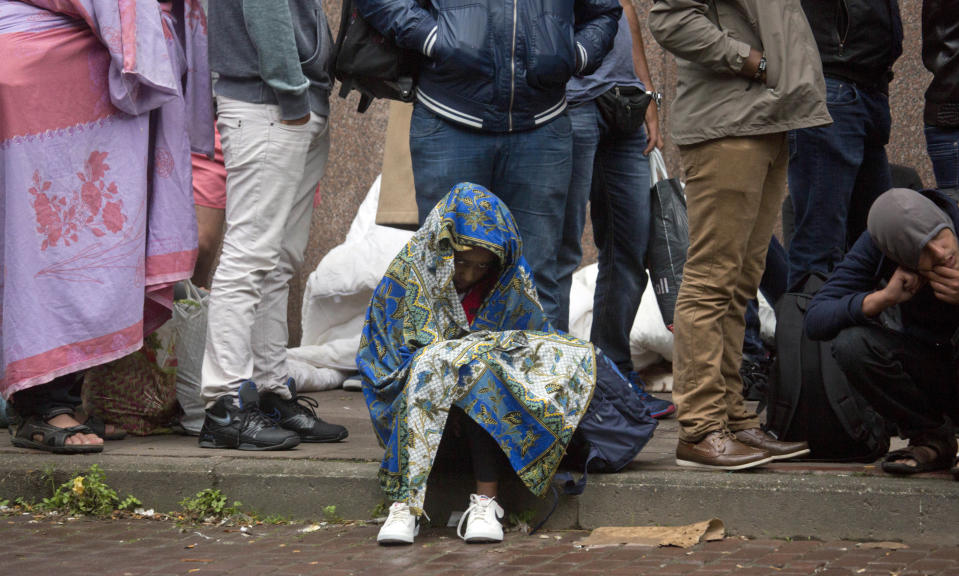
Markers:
point(755, 375)
point(299, 415)
point(243, 427)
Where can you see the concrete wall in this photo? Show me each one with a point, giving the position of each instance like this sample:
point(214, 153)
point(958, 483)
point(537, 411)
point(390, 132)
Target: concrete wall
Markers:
point(357, 142)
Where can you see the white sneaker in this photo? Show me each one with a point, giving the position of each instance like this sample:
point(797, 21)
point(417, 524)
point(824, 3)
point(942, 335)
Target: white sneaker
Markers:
point(482, 524)
point(400, 526)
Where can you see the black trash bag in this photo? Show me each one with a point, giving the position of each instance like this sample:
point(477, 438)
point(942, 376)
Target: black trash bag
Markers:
point(669, 238)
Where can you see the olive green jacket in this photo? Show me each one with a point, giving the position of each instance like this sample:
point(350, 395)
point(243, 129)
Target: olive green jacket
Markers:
point(711, 41)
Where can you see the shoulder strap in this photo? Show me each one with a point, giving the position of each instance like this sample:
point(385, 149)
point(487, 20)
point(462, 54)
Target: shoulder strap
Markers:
point(785, 390)
point(848, 410)
point(570, 487)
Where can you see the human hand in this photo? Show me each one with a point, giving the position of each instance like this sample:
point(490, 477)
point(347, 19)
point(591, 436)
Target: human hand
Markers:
point(653, 137)
point(902, 286)
point(944, 282)
point(751, 66)
point(298, 121)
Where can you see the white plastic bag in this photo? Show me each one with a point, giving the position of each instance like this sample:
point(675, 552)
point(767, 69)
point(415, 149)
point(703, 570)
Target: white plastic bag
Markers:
point(190, 319)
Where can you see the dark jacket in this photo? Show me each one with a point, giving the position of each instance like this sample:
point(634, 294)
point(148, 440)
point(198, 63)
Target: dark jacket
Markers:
point(838, 304)
point(272, 52)
point(940, 55)
point(498, 65)
point(858, 40)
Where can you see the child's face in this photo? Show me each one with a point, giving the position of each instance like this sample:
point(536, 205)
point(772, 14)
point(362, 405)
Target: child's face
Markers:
point(470, 266)
point(942, 250)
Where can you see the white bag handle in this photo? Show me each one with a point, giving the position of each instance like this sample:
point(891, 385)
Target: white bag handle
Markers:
point(657, 167)
point(192, 292)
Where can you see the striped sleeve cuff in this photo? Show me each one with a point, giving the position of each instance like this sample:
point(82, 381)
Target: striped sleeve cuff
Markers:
point(583, 58)
point(429, 42)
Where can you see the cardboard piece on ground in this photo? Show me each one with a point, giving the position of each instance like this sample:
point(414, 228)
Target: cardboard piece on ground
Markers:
point(397, 203)
point(681, 536)
point(883, 545)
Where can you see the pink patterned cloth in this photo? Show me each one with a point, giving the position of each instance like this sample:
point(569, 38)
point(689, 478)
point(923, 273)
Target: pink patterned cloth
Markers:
point(100, 101)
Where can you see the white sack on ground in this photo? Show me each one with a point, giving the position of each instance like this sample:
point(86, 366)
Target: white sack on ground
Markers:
point(649, 340)
point(337, 295)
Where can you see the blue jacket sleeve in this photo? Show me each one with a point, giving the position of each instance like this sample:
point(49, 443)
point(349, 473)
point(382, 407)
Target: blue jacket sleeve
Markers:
point(597, 22)
point(838, 304)
point(403, 21)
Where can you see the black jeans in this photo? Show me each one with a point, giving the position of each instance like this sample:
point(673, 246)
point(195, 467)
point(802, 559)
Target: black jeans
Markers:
point(910, 383)
point(59, 396)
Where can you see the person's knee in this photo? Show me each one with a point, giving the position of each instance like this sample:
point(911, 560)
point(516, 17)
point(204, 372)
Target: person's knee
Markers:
point(207, 243)
point(850, 347)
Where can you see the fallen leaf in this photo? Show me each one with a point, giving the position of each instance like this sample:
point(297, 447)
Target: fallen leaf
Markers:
point(190, 546)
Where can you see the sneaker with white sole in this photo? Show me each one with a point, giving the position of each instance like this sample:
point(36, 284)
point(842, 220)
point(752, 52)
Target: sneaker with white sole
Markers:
point(400, 526)
point(482, 521)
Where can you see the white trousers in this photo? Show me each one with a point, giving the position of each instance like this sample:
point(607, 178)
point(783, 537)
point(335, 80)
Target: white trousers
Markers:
point(272, 170)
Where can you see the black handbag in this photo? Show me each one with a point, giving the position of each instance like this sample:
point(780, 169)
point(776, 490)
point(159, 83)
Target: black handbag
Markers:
point(624, 108)
point(365, 61)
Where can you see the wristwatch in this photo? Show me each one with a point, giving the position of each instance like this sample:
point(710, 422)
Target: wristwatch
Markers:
point(760, 74)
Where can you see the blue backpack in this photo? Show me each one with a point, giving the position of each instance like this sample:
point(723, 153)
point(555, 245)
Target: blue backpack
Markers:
point(616, 426)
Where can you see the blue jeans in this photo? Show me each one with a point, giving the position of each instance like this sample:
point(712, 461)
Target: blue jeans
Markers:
point(835, 173)
point(528, 170)
point(612, 174)
point(942, 144)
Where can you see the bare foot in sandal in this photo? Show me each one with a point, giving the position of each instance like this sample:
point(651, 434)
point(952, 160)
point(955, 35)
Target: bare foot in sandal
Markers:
point(101, 428)
point(914, 459)
point(67, 421)
point(60, 434)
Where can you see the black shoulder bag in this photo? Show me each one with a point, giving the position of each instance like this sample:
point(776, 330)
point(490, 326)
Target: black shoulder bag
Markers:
point(365, 61)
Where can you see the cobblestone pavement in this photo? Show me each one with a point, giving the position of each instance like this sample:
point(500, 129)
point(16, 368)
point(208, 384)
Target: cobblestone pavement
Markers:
point(134, 547)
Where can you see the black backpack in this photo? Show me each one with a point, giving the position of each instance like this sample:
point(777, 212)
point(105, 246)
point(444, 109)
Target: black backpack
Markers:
point(366, 61)
point(809, 396)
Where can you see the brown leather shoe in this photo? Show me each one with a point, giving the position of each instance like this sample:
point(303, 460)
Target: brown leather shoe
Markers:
point(720, 450)
point(756, 438)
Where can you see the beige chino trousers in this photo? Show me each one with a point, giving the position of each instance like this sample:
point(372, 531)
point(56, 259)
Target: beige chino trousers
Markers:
point(734, 188)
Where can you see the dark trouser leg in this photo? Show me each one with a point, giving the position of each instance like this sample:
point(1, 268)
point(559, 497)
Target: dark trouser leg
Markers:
point(910, 384)
point(59, 396)
point(486, 455)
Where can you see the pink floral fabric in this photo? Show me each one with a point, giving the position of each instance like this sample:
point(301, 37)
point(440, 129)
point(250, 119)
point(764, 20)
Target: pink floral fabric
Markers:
point(100, 105)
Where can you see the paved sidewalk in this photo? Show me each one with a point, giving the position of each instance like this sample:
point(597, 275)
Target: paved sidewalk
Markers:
point(147, 547)
point(827, 501)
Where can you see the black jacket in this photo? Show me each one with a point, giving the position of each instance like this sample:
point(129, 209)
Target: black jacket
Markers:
point(858, 40)
point(838, 304)
point(940, 55)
